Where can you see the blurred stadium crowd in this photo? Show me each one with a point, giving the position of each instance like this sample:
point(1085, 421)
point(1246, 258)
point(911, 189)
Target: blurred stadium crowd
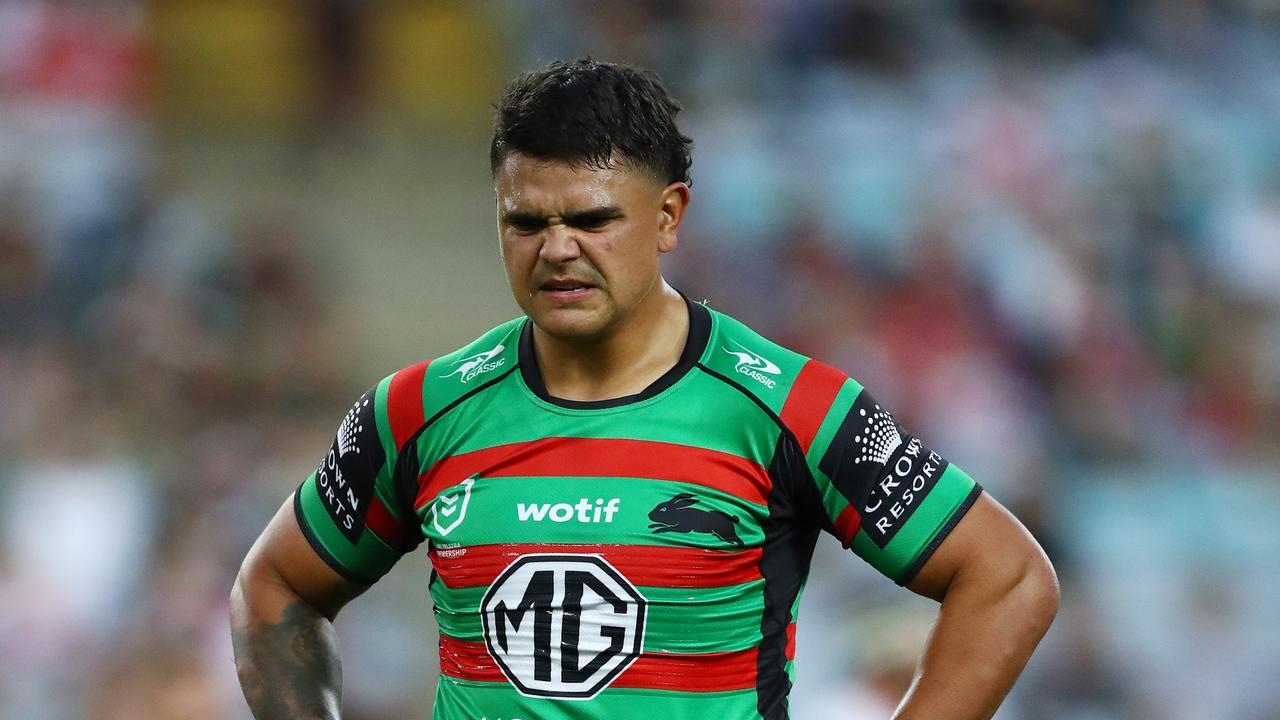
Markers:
point(1047, 234)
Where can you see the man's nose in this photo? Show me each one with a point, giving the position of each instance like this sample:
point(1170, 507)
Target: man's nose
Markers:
point(559, 244)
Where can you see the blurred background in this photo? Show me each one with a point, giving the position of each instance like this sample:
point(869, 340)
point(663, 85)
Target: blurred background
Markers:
point(1045, 232)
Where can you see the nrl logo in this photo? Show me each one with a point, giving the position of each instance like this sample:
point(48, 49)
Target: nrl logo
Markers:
point(478, 364)
point(449, 508)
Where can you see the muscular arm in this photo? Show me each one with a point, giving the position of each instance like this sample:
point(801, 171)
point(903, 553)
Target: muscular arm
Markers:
point(999, 594)
point(282, 606)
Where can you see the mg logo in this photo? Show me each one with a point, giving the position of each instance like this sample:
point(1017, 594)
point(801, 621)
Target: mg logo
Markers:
point(562, 626)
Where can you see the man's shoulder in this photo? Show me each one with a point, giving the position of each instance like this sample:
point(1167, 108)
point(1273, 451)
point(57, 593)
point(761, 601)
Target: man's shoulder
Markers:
point(415, 393)
point(778, 377)
point(471, 366)
point(494, 350)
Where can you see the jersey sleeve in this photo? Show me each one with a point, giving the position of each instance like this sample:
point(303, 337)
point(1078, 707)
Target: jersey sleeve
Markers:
point(348, 508)
point(884, 493)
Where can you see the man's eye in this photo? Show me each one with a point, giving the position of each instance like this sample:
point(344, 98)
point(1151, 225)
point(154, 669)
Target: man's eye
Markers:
point(525, 227)
point(593, 223)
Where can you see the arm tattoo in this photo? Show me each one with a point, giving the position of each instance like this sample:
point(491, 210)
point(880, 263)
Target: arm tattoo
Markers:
point(289, 669)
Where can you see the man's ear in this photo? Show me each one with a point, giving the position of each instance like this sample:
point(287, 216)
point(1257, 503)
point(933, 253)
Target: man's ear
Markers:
point(674, 201)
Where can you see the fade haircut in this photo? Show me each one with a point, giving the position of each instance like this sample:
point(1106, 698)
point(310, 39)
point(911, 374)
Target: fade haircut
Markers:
point(596, 114)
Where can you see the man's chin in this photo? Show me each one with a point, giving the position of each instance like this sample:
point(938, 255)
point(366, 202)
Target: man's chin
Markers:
point(571, 324)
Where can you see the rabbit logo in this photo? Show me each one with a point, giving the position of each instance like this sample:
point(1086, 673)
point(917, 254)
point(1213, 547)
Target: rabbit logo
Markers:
point(678, 515)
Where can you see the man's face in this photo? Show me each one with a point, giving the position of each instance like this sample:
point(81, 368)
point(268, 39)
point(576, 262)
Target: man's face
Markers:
point(581, 245)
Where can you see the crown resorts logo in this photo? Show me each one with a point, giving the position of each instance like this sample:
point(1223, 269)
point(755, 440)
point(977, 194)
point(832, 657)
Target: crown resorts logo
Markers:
point(350, 428)
point(894, 469)
point(340, 498)
point(478, 364)
point(879, 437)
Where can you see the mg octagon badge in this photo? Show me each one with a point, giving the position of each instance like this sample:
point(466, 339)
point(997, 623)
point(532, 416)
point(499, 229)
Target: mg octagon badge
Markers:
point(562, 626)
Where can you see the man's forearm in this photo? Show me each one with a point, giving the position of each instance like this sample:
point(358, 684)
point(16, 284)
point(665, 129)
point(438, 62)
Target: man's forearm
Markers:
point(287, 659)
point(980, 644)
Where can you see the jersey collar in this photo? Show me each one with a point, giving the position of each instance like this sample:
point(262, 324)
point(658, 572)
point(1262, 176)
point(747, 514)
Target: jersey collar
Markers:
point(694, 345)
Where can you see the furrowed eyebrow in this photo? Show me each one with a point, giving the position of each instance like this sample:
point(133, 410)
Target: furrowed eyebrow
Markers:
point(523, 219)
point(593, 216)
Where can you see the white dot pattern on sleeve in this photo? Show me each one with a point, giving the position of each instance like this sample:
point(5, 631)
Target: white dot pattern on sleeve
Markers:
point(879, 438)
point(350, 428)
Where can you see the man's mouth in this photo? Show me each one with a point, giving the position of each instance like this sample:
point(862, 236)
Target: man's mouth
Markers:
point(565, 285)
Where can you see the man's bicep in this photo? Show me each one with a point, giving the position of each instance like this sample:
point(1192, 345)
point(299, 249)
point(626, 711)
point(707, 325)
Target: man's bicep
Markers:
point(349, 509)
point(885, 494)
point(283, 556)
point(988, 540)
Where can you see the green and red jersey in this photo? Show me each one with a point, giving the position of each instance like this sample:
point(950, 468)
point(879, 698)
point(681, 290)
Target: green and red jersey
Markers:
point(631, 558)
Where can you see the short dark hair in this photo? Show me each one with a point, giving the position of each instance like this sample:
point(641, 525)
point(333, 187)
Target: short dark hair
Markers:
point(592, 113)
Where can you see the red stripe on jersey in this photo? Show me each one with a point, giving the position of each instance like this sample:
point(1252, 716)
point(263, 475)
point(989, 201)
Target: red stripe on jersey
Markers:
point(601, 457)
point(404, 402)
point(688, 672)
point(791, 642)
point(684, 672)
point(479, 565)
point(467, 660)
point(384, 524)
point(847, 525)
point(810, 399)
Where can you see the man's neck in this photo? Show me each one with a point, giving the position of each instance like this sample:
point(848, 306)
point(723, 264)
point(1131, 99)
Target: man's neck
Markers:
point(645, 345)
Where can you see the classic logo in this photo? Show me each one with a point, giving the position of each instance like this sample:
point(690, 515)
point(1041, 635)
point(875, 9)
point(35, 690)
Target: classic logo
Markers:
point(450, 507)
point(478, 364)
point(562, 626)
point(754, 366)
point(677, 515)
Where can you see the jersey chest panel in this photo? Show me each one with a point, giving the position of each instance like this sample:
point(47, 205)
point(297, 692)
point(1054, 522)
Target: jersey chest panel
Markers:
point(578, 551)
point(687, 470)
